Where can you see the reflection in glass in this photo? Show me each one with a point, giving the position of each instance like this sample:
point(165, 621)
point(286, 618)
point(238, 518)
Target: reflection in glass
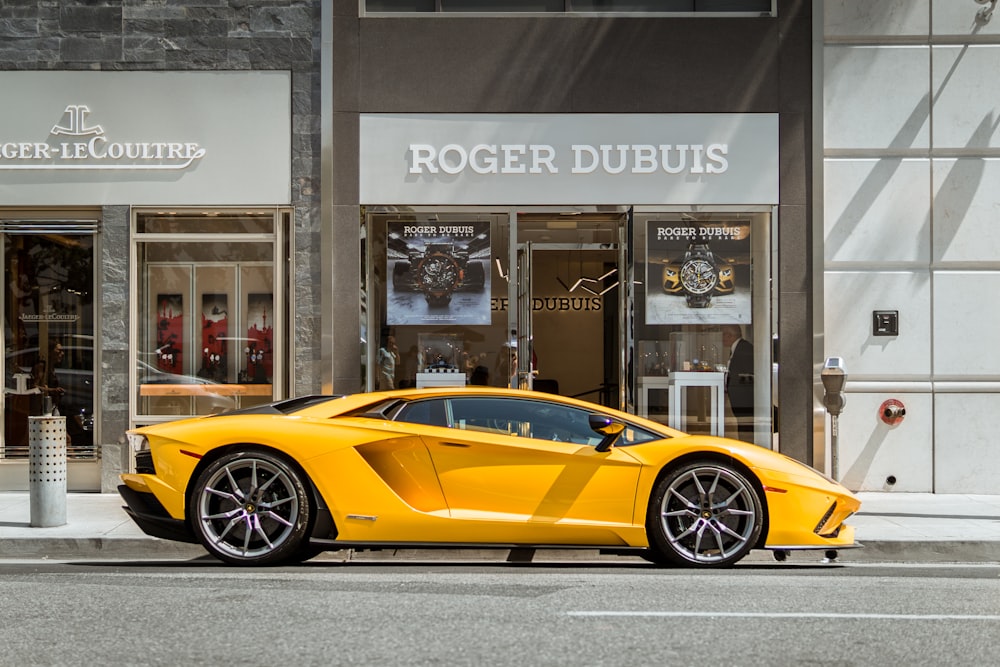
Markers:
point(49, 338)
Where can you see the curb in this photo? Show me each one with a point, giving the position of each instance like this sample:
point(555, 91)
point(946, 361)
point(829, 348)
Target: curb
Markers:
point(940, 551)
point(63, 548)
point(955, 551)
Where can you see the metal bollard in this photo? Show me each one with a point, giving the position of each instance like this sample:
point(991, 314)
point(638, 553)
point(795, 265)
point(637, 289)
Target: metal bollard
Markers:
point(47, 470)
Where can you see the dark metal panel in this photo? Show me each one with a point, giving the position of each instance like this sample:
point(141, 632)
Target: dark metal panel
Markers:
point(568, 65)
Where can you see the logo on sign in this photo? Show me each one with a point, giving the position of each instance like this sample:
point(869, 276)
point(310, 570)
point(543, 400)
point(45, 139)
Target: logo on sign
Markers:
point(76, 144)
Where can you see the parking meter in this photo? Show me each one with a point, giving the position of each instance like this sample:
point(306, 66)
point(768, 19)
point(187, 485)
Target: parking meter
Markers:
point(834, 377)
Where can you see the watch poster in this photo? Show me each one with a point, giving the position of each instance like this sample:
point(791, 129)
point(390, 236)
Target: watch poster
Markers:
point(214, 332)
point(169, 332)
point(438, 273)
point(260, 338)
point(698, 272)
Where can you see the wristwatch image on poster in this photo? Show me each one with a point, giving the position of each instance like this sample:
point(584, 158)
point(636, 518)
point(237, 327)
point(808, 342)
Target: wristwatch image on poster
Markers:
point(438, 273)
point(698, 272)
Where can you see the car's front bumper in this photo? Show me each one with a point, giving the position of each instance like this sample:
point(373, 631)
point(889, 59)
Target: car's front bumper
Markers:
point(153, 518)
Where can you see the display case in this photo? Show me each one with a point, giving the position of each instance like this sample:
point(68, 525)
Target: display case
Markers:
point(683, 381)
point(439, 360)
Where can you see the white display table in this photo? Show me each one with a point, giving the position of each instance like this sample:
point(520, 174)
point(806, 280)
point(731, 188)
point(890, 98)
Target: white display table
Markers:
point(677, 385)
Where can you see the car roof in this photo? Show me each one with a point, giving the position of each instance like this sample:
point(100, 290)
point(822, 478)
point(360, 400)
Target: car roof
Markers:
point(316, 406)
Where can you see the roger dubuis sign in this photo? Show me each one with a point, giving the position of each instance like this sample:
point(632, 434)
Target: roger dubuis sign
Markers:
point(145, 138)
point(557, 159)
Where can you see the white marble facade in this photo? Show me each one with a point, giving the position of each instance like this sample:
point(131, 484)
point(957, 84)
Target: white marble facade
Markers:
point(911, 223)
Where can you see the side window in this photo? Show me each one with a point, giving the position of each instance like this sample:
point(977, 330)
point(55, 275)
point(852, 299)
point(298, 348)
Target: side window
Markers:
point(524, 418)
point(562, 423)
point(430, 412)
point(517, 417)
point(490, 415)
point(633, 435)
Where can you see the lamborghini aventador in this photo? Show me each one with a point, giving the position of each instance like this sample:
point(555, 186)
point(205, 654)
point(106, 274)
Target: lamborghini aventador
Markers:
point(471, 467)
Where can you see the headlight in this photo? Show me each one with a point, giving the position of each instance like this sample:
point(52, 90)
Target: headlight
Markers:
point(726, 273)
point(137, 442)
point(669, 274)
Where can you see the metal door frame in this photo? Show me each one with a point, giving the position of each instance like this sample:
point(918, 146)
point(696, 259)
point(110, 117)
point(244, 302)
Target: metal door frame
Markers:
point(519, 292)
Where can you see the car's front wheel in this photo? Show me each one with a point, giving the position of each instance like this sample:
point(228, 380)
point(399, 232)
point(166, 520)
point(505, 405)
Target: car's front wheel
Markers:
point(251, 508)
point(704, 514)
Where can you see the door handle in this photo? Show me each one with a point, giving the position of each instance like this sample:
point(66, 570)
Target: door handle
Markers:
point(454, 444)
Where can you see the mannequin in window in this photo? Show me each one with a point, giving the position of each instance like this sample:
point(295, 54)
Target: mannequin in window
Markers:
point(739, 379)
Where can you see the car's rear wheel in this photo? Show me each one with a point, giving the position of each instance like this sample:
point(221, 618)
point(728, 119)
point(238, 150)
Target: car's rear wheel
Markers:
point(704, 514)
point(251, 508)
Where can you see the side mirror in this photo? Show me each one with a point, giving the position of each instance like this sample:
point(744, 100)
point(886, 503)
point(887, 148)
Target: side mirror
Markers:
point(607, 427)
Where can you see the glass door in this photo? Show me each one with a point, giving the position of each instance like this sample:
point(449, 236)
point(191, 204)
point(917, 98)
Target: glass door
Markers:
point(570, 304)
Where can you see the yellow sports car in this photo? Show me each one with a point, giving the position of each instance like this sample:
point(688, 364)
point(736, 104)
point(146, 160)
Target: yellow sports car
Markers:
point(467, 467)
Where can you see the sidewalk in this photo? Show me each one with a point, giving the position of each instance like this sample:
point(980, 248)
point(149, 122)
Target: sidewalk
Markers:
point(901, 527)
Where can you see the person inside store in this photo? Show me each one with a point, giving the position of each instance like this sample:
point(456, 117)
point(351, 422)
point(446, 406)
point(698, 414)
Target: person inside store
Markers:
point(739, 379)
point(388, 359)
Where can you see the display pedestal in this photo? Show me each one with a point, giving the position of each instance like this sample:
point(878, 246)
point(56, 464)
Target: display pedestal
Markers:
point(425, 380)
point(677, 385)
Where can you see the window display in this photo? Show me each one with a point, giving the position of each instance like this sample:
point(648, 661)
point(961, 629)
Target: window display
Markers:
point(259, 348)
point(207, 322)
point(707, 263)
point(705, 305)
point(435, 303)
point(440, 273)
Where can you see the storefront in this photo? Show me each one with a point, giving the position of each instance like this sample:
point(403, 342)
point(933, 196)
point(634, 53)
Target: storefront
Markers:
point(620, 258)
point(145, 232)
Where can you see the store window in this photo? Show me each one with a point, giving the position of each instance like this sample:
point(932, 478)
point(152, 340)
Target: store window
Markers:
point(48, 305)
point(703, 322)
point(210, 328)
point(450, 302)
point(690, 339)
point(436, 293)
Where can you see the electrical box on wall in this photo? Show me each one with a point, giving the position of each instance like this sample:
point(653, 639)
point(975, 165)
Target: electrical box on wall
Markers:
point(885, 322)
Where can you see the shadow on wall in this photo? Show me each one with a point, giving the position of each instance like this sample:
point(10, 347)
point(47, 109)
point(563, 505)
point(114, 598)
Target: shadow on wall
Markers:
point(873, 186)
point(855, 477)
point(968, 174)
point(957, 190)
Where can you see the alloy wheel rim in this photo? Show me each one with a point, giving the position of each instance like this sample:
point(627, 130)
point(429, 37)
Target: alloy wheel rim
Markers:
point(708, 514)
point(248, 508)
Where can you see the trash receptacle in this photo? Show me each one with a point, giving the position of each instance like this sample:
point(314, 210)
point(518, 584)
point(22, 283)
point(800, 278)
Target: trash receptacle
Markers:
point(47, 470)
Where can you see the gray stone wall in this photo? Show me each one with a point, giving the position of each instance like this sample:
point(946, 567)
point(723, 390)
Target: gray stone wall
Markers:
point(111, 374)
point(174, 35)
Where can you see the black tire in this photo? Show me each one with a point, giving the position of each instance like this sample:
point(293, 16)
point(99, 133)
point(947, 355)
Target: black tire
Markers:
point(704, 514)
point(251, 507)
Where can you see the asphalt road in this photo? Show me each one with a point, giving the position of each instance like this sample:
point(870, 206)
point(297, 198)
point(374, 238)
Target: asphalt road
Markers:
point(419, 613)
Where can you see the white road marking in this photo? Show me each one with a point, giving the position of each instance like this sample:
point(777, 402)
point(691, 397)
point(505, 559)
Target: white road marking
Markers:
point(739, 614)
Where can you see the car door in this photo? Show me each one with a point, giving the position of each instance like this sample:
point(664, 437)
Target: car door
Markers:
point(525, 461)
